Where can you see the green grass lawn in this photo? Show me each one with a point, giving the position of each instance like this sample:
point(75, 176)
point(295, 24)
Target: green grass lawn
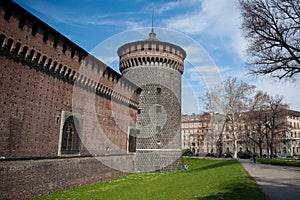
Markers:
point(280, 161)
point(205, 179)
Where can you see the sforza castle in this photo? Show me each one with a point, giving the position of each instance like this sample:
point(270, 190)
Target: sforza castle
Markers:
point(68, 120)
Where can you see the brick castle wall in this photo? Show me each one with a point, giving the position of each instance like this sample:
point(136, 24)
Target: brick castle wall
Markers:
point(156, 67)
point(31, 107)
point(40, 71)
point(45, 78)
point(23, 179)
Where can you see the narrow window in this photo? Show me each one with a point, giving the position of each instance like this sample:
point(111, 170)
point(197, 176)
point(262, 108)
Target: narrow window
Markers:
point(158, 91)
point(158, 129)
point(132, 140)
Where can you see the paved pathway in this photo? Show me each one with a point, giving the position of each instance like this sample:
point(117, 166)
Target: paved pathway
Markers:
point(277, 182)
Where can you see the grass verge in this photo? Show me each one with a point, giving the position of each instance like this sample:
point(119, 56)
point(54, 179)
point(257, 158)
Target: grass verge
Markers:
point(280, 161)
point(205, 179)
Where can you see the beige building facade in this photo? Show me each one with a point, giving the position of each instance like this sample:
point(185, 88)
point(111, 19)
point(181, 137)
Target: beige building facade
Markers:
point(194, 129)
point(202, 136)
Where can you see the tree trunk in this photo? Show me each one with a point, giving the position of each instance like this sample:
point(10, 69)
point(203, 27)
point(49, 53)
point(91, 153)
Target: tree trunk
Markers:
point(260, 150)
point(235, 149)
point(272, 150)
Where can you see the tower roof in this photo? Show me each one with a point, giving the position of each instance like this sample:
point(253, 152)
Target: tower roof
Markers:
point(149, 42)
point(153, 52)
point(152, 35)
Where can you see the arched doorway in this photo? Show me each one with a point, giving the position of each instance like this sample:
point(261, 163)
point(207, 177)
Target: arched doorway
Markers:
point(70, 139)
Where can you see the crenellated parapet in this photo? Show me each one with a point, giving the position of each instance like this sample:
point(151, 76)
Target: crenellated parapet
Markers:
point(156, 66)
point(26, 39)
point(151, 52)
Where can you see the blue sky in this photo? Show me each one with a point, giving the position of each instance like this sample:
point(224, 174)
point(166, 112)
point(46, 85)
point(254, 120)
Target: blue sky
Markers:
point(213, 26)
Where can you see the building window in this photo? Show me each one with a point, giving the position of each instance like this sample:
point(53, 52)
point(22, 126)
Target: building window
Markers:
point(139, 111)
point(158, 129)
point(132, 140)
point(70, 139)
point(158, 143)
point(158, 91)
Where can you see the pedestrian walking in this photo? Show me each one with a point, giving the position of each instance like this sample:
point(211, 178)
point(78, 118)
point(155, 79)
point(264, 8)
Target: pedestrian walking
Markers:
point(254, 158)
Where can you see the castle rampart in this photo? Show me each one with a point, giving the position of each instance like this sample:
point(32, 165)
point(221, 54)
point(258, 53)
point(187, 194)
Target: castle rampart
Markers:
point(36, 58)
point(156, 67)
point(149, 52)
point(28, 40)
point(59, 106)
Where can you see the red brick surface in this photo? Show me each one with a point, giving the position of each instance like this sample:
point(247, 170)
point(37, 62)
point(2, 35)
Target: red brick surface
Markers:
point(41, 78)
point(29, 178)
point(37, 84)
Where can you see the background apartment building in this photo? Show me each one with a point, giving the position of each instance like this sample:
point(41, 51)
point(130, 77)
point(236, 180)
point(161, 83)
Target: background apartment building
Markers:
point(194, 128)
point(202, 136)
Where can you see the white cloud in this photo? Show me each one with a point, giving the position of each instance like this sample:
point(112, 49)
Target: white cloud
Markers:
point(133, 25)
point(189, 24)
point(176, 5)
point(214, 20)
point(190, 98)
point(290, 91)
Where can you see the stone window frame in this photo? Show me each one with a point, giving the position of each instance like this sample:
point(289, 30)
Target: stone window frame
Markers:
point(78, 121)
point(70, 143)
point(158, 91)
point(135, 133)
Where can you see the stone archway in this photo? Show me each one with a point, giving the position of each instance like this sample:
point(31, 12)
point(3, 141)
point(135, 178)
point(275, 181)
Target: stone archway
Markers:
point(70, 142)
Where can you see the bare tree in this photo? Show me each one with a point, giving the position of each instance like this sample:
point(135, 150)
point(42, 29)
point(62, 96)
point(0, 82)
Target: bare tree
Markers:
point(276, 118)
point(217, 126)
point(267, 119)
point(230, 99)
point(272, 28)
point(255, 118)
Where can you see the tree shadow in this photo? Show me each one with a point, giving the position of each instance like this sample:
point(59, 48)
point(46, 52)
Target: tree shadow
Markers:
point(236, 190)
point(222, 163)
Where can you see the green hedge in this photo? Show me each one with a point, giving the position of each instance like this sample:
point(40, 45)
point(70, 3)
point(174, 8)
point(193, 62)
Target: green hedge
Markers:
point(187, 152)
point(245, 155)
point(280, 161)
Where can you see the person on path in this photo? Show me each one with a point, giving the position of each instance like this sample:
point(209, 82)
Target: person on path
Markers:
point(254, 158)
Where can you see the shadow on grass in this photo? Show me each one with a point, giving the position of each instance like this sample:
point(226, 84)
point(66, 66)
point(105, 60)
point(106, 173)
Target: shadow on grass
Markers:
point(236, 190)
point(220, 163)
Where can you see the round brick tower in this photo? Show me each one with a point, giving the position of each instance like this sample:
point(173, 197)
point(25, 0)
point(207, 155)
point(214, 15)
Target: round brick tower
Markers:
point(156, 67)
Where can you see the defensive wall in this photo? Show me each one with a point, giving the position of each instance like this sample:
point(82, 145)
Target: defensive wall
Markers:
point(41, 70)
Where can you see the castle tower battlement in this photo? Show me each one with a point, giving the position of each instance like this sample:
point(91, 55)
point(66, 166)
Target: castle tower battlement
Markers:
point(156, 67)
point(46, 79)
point(29, 41)
point(151, 52)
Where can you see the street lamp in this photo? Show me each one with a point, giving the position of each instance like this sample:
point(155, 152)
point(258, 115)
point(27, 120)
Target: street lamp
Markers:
point(253, 133)
point(266, 123)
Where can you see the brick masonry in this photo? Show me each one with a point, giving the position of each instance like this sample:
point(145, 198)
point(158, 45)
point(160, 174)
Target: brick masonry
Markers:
point(23, 179)
point(45, 78)
point(156, 67)
point(43, 74)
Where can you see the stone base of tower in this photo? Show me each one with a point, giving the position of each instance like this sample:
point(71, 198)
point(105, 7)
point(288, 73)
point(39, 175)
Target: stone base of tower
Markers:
point(158, 160)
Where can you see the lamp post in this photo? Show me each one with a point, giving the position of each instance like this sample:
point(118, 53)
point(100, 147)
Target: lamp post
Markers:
point(254, 148)
point(266, 123)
